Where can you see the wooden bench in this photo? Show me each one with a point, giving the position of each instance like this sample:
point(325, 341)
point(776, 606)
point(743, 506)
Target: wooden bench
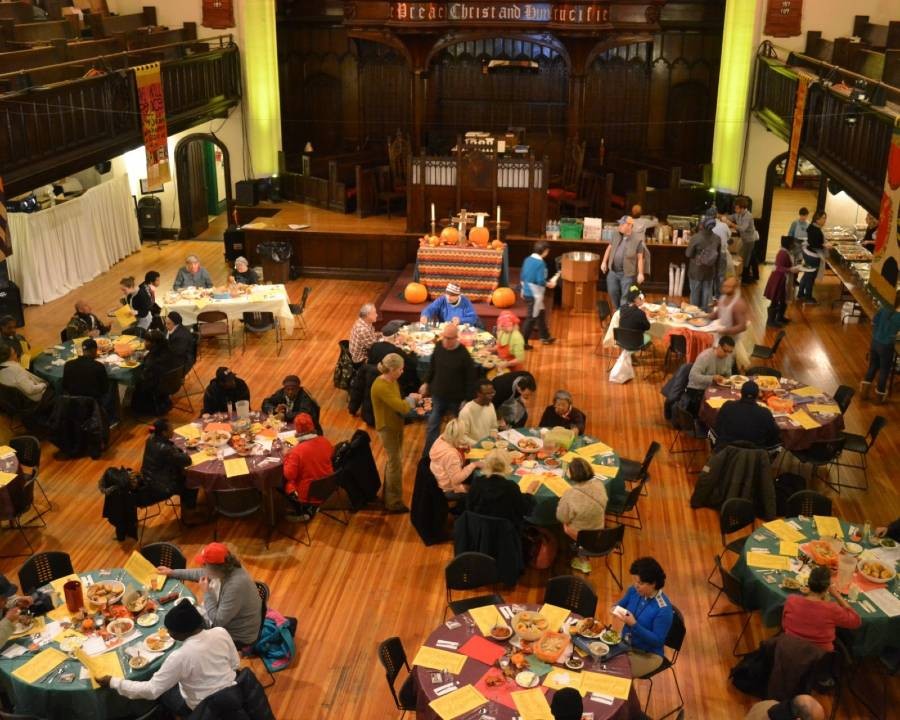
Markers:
point(333, 181)
point(139, 39)
point(24, 35)
point(18, 12)
point(59, 51)
point(110, 25)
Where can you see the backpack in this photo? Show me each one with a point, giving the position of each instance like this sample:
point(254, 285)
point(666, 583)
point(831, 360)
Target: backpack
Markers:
point(541, 547)
point(751, 674)
point(709, 256)
point(275, 646)
point(343, 370)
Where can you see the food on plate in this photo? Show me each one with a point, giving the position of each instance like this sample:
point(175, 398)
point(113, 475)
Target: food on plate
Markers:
point(780, 405)
point(104, 345)
point(529, 444)
point(192, 442)
point(487, 445)
point(529, 464)
point(699, 322)
point(852, 548)
point(589, 627)
point(574, 663)
point(148, 619)
point(135, 600)
point(71, 643)
point(875, 571)
point(519, 660)
point(105, 593)
point(551, 645)
point(527, 679)
point(138, 661)
point(690, 309)
point(529, 625)
point(610, 637)
point(158, 642)
point(888, 543)
point(22, 624)
point(737, 381)
point(767, 382)
point(216, 437)
point(821, 552)
point(598, 648)
point(680, 317)
point(792, 583)
point(551, 462)
point(500, 632)
point(120, 627)
point(494, 680)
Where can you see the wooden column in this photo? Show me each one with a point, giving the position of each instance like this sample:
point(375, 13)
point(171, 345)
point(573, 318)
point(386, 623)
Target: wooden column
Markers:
point(419, 93)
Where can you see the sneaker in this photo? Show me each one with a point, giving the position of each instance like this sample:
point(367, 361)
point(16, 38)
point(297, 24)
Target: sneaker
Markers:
point(548, 341)
point(297, 518)
point(529, 347)
point(581, 564)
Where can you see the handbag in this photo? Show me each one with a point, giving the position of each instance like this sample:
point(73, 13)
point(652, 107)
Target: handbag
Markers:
point(623, 370)
point(542, 547)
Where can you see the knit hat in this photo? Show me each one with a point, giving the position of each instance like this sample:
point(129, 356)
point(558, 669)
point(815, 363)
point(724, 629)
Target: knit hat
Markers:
point(213, 554)
point(453, 289)
point(634, 292)
point(750, 390)
point(303, 424)
point(567, 704)
point(507, 317)
point(183, 618)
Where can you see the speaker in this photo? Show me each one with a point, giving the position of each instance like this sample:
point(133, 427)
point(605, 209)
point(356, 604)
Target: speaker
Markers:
point(149, 209)
point(234, 243)
point(11, 302)
point(246, 192)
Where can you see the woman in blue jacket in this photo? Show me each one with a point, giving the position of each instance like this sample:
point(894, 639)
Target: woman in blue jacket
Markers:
point(648, 616)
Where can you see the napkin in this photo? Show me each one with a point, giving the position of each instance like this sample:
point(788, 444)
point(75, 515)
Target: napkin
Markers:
point(716, 401)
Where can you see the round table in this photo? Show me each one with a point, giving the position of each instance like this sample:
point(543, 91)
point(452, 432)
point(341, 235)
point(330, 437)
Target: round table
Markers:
point(420, 339)
point(49, 364)
point(810, 400)
point(662, 326)
point(502, 706)
point(77, 700)
point(545, 500)
point(763, 591)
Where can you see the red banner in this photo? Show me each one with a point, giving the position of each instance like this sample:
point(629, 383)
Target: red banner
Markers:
point(796, 130)
point(886, 266)
point(5, 242)
point(783, 18)
point(153, 124)
point(218, 14)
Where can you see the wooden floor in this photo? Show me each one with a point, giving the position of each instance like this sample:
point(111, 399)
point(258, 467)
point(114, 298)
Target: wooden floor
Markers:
point(358, 585)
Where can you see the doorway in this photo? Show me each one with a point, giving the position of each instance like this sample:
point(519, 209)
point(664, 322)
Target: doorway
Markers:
point(781, 203)
point(202, 168)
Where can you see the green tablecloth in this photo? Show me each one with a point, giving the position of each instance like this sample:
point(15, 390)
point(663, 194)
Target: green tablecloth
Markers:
point(877, 630)
point(77, 700)
point(544, 512)
point(42, 366)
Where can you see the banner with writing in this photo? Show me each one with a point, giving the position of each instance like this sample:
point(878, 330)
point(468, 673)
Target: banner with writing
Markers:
point(796, 130)
point(783, 18)
point(516, 12)
point(885, 267)
point(5, 242)
point(153, 124)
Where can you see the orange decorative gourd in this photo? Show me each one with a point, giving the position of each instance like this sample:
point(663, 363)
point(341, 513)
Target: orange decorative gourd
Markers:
point(479, 236)
point(432, 240)
point(123, 350)
point(497, 245)
point(449, 236)
point(415, 293)
point(503, 297)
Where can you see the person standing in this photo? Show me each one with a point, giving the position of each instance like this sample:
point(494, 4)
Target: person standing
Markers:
point(742, 221)
point(726, 263)
point(450, 380)
point(797, 233)
point(813, 253)
point(885, 326)
point(390, 411)
point(192, 275)
point(623, 261)
point(143, 303)
point(534, 285)
point(147, 398)
point(732, 315)
point(777, 286)
point(703, 254)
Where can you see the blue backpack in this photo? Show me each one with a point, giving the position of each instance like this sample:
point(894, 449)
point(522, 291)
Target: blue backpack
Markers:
point(275, 646)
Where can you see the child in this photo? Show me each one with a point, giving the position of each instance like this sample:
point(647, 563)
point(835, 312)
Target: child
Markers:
point(777, 287)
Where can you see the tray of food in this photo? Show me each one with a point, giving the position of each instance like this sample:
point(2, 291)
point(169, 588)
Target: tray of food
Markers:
point(551, 646)
point(105, 593)
point(530, 444)
point(529, 625)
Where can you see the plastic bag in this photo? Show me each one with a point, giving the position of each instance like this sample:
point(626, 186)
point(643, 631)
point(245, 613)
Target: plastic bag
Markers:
point(623, 370)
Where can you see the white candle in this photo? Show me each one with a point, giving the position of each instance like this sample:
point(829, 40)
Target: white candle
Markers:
point(498, 218)
point(432, 212)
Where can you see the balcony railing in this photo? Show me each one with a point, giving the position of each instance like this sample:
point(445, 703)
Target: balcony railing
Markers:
point(776, 90)
point(49, 131)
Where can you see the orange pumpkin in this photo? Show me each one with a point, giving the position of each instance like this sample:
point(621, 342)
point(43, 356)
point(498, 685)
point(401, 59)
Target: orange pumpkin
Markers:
point(432, 240)
point(497, 245)
point(123, 350)
point(415, 293)
point(503, 297)
point(479, 236)
point(449, 236)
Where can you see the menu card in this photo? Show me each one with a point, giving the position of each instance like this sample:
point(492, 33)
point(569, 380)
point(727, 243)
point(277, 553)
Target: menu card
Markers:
point(554, 615)
point(558, 678)
point(125, 316)
point(807, 391)
point(100, 665)
point(142, 570)
point(768, 561)
point(40, 665)
point(532, 704)
point(188, 431)
point(828, 526)
point(783, 530)
point(605, 684)
point(201, 457)
point(788, 549)
point(476, 453)
point(6, 478)
point(827, 408)
point(437, 659)
point(607, 471)
point(554, 483)
point(716, 401)
point(457, 703)
point(804, 420)
point(597, 448)
point(235, 467)
point(486, 617)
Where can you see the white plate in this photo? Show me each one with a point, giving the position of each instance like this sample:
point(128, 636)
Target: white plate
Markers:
point(169, 642)
point(528, 679)
point(148, 619)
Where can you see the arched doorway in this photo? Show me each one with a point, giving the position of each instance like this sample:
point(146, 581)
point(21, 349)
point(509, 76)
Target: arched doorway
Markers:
point(778, 207)
point(191, 177)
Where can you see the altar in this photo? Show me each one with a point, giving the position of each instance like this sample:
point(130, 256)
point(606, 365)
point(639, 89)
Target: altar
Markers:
point(477, 271)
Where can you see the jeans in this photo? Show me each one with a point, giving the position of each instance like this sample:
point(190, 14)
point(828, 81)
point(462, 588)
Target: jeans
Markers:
point(701, 293)
point(617, 284)
point(751, 269)
point(392, 441)
point(806, 282)
point(540, 321)
point(439, 407)
point(881, 360)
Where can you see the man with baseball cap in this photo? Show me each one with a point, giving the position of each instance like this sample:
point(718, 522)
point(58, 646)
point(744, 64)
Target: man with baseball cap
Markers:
point(453, 307)
point(205, 663)
point(746, 420)
point(223, 391)
point(291, 400)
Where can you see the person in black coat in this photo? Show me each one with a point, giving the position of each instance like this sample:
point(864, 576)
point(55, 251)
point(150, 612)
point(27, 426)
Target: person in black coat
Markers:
point(162, 468)
point(744, 420)
point(512, 391)
point(159, 361)
point(143, 302)
point(409, 380)
point(631, 316)
point(182, 341)
point(562, 413)
point(493, 494)
point(223, 391)
point(291, 400)
point(85, 375)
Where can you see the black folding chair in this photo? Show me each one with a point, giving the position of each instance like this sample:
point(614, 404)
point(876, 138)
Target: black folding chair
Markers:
point(686, 427)
point(164, 554)
point(28, 452)
point(674, 642)
point(572, 593)
point(732, 589)
point(393, 658)
point(808, 503)
point(468, 571)
point(259, 323)
point(860, 444)
point(603, 315)
point(735, 514)
point(20, 494)
point(629, 504)
point(765, 352)
point(297, 310)
point(603, 543)
point(43, 568)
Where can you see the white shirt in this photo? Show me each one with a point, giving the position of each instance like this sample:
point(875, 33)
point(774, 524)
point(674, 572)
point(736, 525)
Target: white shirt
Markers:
point(14, 375)
point(204, 664)
point(478, 421)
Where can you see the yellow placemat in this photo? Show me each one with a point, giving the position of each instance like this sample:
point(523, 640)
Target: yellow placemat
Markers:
point(570, 456)
point(201, 457)
point(40, 665)
point(823, 408)
point(597, 448)
point(555, 484)
point(476, 453)
point(532, 704)
point(804, 420)
point(6, 450)
point(144, 571)
point(6, 478)
point(100, 665)
point(67, 633)
point(828, 526)
point(188, 431)
point(788, 549)
point(125, 316)
point(768, 561)
point(437, 659)
point(60, 613)
point(486, 617)
point(235, 467)
point(526, 480)
point(57, 584)
point(607, 471)
point(202, 303)
point(716, 401)
point(457, 703)
point(554, 615)
point(784, 530)
point(558, 678)
point(807, 391)
point(604, 684)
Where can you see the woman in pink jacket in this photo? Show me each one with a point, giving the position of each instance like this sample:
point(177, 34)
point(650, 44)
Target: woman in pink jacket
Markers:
point(447, 457)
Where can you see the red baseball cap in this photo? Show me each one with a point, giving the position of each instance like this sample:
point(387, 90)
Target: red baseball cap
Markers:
point(213, 554)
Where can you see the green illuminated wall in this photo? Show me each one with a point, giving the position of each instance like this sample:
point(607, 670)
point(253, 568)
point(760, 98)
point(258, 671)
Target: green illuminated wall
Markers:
point(261, 103)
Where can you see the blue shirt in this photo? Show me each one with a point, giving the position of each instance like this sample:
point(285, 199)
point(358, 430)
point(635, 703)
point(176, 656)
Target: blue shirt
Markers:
point(885, 326)
point(199, 279)
point(653, 618)
point(442, 311)
point(534, 270)
point(798, 229)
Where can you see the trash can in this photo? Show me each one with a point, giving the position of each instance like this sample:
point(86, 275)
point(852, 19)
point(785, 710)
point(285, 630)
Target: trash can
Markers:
point(276, 260)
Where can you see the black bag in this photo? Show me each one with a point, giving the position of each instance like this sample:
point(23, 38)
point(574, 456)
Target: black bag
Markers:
point(786, 485)
point(344, 370)
point(119, 478)
point(751, 674)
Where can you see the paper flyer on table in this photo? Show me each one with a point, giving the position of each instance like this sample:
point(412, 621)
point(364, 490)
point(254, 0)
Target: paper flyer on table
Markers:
point(235, 467)
point(532, 704)
point(40, 665)
point(554, 615)
point(435, 659)
point(454, 704)
point(886, 601)
point(768, 561)
point(486, 617)
point(605, 684)
point(142, 570)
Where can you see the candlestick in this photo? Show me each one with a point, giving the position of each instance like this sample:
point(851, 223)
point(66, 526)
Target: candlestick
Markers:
point(498, 222)
point(433, 227)
point(432, 213)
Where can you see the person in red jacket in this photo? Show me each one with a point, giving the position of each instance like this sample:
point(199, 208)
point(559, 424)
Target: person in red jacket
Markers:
point(309, 460)
point(814, 617)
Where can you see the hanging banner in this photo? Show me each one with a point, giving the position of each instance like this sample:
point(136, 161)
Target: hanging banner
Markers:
point(796, 129)
point(218, 14)
point(153, 124)
point(5, 242)
point(783, 18)
point(884, 274)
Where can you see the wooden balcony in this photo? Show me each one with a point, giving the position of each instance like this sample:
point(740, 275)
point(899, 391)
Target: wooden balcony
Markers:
point(52, 130)
point(776, 90)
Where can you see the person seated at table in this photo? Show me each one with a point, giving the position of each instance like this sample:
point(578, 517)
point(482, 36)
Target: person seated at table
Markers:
point(192, 275)
point(453, 307)
point(632, 315)
point(447, 456)
point(582, 506)
point(13, 340)
point(163, 465)
point(510, 342)
point(478, 417)
point(562, 413)
point(157, 363)
point(182, 342)
point(35, 390)
point(513, 390)
point(409, 380)
point(308, 460)
point(291, 400)
point(86, 376)
point(230, 597)
point(492, 493)
point(204, 663)
point(567, 704)
point(812, 617)
point(13, 605)
point(243, 273)
point(363, 334)
point(745, 420)
point(143, 303)
point(712, 365)
point(648, 616)
point(223, 391)
point(84, 322)
point(800, 707)
point(891, 531)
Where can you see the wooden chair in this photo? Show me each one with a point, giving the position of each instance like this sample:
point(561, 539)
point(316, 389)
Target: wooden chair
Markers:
point(587, 195)
point(391, 181)
point(566, 185)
